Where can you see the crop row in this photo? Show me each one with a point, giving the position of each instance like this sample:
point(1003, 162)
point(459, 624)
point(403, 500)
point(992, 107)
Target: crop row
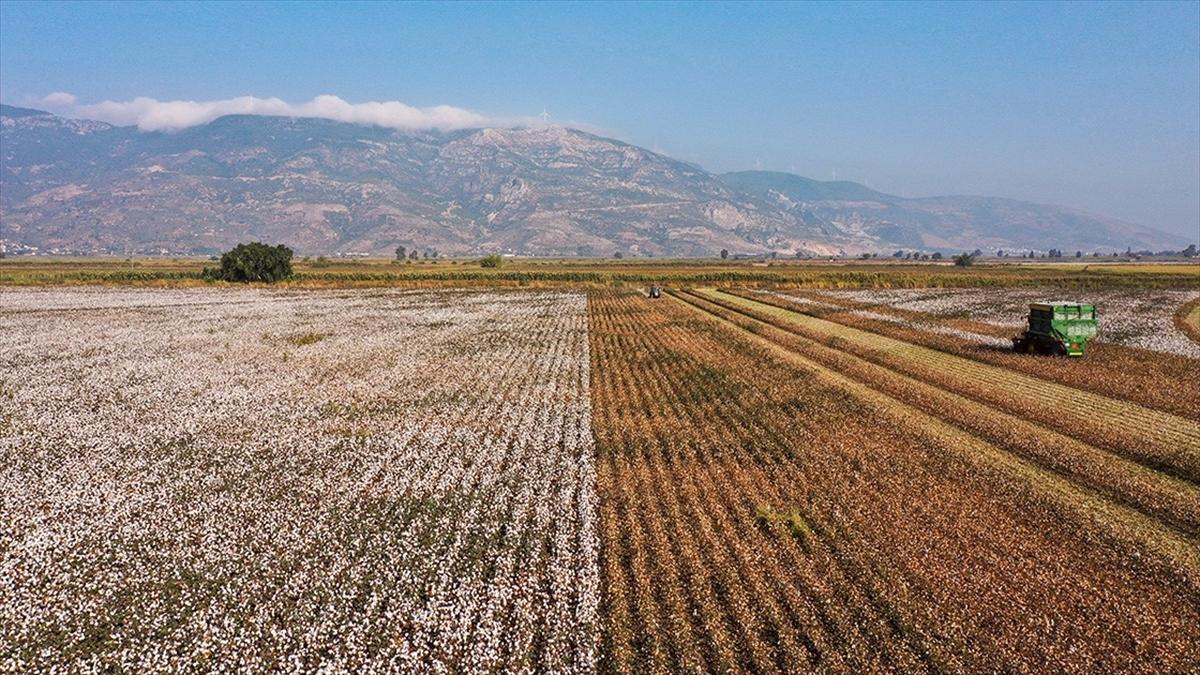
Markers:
point(794, 520)
point(352, 273)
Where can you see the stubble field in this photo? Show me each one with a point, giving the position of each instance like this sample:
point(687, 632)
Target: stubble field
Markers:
point(553, 481)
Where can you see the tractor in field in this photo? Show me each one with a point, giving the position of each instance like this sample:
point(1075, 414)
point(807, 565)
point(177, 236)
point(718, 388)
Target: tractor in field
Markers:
point(1058, 328)
point(655, 292)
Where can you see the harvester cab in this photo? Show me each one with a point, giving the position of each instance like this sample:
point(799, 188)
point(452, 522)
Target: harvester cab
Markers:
point(1060, 328)
point(655, 292)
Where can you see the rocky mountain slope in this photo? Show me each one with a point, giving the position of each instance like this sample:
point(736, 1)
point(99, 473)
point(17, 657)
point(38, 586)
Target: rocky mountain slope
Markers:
point(325, 187)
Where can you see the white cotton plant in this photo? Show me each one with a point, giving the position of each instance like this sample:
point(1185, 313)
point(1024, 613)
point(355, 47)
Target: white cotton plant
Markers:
point(184, 485)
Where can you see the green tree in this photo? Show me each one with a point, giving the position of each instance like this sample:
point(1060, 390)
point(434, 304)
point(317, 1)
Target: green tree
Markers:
point(401, 253)
point(491, 261)
point(724, 253)
point(964, 260)
point(255, 261)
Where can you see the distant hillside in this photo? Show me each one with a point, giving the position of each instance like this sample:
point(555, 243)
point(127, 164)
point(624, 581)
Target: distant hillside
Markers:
point(801, 189)
point(947, 223)
point(325, 187)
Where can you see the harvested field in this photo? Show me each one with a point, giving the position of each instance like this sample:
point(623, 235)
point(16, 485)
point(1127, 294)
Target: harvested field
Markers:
point(795, 519)
point(1187, 319)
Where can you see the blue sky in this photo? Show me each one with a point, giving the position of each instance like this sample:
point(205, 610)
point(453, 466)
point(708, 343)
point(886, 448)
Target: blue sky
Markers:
point(1090, 105)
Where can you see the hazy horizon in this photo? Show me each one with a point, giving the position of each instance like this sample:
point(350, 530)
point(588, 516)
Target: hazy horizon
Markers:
point(1095, 107)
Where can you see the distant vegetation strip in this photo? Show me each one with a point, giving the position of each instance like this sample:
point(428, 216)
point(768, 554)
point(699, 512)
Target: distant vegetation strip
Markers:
point(605, 274)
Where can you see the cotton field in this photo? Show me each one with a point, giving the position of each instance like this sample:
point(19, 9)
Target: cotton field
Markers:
point(251, 480)
point(716, 480)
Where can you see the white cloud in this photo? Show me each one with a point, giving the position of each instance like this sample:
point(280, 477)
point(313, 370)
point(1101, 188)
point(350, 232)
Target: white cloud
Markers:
point(58, 99)
point(153, 115)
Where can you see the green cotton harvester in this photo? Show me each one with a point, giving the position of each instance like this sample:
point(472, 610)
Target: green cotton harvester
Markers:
point(1057, 328)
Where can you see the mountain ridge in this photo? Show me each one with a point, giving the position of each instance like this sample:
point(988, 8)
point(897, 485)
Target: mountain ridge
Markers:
point(327, 187)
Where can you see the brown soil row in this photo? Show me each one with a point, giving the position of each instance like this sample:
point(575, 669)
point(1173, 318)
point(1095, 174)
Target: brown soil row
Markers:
point(652, 452)
point(892, 550)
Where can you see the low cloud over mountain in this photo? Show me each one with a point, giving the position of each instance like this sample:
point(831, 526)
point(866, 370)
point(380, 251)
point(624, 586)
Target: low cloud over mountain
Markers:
point(150, 114)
